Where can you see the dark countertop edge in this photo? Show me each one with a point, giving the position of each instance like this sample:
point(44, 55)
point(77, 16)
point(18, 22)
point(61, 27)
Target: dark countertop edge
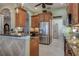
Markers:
point(14, 35)
point(34, 36)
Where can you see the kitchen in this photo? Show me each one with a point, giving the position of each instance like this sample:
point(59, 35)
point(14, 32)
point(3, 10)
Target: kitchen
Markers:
point(33, 29)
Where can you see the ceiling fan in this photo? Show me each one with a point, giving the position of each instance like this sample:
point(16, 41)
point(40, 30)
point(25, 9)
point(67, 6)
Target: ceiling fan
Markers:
point(43, 5)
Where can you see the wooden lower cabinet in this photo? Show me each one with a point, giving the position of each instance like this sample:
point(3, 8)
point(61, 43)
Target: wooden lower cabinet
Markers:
point(34, 46)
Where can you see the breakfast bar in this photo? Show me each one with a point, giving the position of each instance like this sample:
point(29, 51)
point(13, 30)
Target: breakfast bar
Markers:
point(14, 45)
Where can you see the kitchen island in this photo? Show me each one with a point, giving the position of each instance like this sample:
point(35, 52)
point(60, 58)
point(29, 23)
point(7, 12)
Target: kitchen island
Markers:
point(72, 47)
point(14, 45)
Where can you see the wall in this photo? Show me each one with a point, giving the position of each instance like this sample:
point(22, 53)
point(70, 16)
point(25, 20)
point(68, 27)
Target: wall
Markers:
point(11, 7)
point(61, 12)
point(57, 28)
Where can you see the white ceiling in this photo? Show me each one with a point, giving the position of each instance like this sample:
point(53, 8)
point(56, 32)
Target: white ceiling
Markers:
point(30, 6)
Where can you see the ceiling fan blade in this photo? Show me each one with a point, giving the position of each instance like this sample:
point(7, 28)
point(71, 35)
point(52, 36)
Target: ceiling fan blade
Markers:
point(37, 4)
point(49, 3)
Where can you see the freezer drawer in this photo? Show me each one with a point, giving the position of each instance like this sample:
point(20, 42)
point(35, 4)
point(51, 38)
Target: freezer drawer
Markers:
point(45, 40)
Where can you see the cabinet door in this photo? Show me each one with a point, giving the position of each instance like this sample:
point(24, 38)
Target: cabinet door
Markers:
point(75, 14)
point(70, 7)
point(35, 21)
point(45, 16)
point(73, 9)
point(21, 18)
point(34, 46)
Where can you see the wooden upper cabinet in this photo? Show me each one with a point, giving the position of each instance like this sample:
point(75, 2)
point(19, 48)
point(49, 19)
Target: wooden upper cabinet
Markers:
point(70, 7)
point(75, 14)
point(40, 17)
point(21, 17)
point(46, 16)
point(73, 10)
point(35, 21)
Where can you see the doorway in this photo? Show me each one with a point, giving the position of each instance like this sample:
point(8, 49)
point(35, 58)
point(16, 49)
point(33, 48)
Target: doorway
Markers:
point(58, 25)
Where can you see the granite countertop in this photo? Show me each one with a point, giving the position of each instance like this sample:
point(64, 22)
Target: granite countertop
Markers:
point(34, 37)
point(15, 35)
point(74, 45)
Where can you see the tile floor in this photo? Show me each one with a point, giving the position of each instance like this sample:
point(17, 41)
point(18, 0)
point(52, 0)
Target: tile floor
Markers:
point(56, 48)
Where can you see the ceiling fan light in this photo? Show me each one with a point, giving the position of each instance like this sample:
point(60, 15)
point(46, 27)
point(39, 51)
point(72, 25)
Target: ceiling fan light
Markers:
point(35, 7)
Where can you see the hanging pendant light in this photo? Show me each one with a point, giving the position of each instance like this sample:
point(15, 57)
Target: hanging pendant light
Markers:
point(22, 4)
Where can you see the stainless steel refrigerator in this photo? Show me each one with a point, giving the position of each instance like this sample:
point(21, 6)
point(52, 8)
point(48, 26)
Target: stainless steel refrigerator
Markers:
point(45, 33)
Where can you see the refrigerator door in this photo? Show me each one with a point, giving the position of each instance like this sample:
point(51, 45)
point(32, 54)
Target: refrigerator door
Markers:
point(44, 33)
point(44, 28)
